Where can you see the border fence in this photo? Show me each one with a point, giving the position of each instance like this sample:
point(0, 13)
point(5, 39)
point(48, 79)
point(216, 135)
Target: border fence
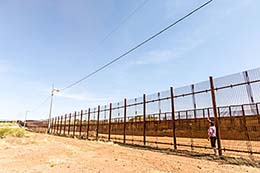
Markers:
point(177, 118)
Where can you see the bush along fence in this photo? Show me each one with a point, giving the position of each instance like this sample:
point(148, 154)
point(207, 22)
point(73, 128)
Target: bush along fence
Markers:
point(176, 119)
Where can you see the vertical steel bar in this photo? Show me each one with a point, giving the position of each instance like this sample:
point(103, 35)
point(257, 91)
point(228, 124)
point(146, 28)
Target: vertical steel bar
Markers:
point(52, 125)
point(230, 111)
point(80, 124)
point(144, 118)
point(109, 122)
point(249, 146)
point(257, 112)
point(98, 122)
point(58, 125)
point(88, 123)
point(230, 115)
point(248, 87)
point(74, 124)
point(69, 124)
point(194, 100)
point(124, 120)
point(159, 105)
point(64, 128)
point(173, 120)
point(218, 109)
point(61, 118)
point(214, 105)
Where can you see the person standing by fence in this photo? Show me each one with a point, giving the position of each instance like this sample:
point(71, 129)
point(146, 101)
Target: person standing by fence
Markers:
point(212, 135)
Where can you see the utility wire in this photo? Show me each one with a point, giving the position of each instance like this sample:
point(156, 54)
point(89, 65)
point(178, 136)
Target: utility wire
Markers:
point(40, 105)
point(123, 21)
point(137, 46)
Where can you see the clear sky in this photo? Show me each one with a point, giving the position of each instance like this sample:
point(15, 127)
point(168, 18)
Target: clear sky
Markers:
point(58, 41)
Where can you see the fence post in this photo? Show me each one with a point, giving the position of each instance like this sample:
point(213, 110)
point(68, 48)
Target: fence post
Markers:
point(61, 118)
point(109, 121)
point(64, 128)
point(124, 120)
point(51, 132)
point(173, 120)
point(214, 105)
point(194, 100)
point(69, 124)
point(54, 126)
point(144, 118)
point(257, 112)
point(80, 124)
point(88, 123)
point(74, 124)
point(249, 146)
point(58, 123)
point(98, 121)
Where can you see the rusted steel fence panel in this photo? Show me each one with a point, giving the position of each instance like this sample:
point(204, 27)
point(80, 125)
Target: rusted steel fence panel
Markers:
point(178, 117)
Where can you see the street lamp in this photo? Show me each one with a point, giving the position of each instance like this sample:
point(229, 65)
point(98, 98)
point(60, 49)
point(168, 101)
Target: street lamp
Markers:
point(53, 90)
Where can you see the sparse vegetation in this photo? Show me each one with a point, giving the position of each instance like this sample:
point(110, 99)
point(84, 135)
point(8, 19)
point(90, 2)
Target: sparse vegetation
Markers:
point(9, 129)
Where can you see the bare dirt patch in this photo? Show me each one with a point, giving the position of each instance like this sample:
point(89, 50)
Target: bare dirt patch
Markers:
point(44, 153)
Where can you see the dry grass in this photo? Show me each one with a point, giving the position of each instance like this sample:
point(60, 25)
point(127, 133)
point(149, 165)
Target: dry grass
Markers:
point(9, 129)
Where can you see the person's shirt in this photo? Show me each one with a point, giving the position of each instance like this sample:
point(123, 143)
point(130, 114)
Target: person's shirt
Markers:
point(212, 131)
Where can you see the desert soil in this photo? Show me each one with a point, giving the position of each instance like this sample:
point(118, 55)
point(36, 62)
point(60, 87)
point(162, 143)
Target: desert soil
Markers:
point(38, 153)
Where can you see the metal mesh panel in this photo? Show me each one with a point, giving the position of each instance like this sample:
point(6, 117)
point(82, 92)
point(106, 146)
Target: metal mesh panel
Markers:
point(151, 123)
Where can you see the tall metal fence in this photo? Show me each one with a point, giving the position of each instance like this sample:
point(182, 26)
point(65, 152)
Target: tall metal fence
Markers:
point(177, 118)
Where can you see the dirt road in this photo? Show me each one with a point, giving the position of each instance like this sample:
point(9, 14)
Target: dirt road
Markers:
point(43, 153)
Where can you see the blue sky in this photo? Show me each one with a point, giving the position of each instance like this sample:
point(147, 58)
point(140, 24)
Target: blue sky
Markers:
point(45, 41)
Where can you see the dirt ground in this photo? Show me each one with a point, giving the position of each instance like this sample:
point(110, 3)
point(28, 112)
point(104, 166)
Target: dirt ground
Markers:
point(44, 153)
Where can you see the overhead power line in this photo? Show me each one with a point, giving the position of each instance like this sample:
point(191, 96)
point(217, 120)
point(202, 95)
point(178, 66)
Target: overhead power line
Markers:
point(123, 21)
point(137, 46)
point(40, 105)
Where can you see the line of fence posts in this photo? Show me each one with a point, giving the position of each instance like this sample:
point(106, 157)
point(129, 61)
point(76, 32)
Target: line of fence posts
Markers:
point(58, 120)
